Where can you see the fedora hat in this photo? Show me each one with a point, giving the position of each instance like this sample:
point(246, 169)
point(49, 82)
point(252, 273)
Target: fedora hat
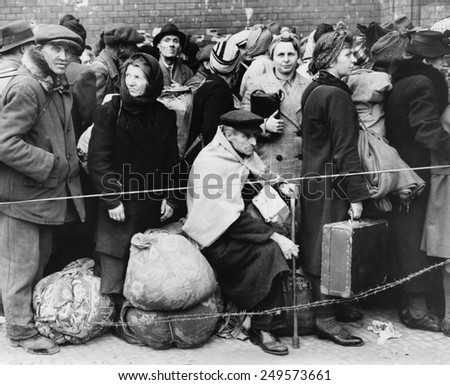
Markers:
point(429, 44)
point(169, 29)
point(15, 34)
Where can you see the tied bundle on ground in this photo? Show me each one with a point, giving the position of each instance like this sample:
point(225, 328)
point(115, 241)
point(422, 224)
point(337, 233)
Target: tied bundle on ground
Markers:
point(167, 272)
point(186, 329)
point(69, 307)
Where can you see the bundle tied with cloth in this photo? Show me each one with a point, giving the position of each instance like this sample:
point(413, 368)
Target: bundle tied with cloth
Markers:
point(369, 89)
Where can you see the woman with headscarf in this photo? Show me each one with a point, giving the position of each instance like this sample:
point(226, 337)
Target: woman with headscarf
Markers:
point(330, 138)
point(133, 147)
point(280, 146)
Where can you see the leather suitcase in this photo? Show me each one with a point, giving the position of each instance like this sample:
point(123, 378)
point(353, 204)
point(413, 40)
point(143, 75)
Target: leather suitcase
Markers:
point(353, 257)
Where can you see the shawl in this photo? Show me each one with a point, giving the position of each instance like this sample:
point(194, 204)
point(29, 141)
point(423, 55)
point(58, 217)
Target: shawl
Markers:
point(153, 91)
point(214, 198)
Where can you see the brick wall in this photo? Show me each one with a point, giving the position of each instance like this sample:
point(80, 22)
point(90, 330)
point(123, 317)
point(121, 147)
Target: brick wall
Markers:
point(227, 16)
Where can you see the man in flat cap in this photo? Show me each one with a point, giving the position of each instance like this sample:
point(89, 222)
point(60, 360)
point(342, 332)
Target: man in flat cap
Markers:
point(248, 256)
point(38, 161)
point(15, 37)
point(118, 43)
point(169, 41)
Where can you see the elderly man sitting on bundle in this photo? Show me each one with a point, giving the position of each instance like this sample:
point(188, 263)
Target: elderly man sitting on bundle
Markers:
point(247, 254)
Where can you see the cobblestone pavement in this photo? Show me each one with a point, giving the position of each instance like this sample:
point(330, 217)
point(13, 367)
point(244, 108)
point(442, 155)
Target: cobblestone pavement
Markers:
point(414, 347)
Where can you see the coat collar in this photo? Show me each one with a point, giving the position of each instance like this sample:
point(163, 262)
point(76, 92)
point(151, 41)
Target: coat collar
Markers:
point(34, 63)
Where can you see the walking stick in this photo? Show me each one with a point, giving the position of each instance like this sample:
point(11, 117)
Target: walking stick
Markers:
point(295, 338)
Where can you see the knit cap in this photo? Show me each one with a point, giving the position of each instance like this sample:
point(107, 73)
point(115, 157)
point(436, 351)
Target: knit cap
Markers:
point(225, 58)
point(391, 46)
point(74, 25)
point(258, 40)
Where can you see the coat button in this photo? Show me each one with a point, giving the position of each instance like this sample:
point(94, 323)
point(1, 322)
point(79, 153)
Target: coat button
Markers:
point(300, 156)
point(279, 158)
point(299, 133)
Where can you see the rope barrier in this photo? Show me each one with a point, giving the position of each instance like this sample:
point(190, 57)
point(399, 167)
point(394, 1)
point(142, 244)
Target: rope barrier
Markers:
point(215, 186)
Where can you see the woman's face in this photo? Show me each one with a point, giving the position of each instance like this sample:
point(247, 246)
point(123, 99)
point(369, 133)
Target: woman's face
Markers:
point(136, 81)
point(344, 63)
point(285, 58)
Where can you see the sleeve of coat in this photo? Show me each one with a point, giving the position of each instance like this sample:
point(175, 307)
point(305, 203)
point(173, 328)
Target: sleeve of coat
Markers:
point(425, 120)
point(218, 102)
point(17, 118)
point(100, 155)
point(248, 228)
point(344, 130)
point(85, 88)
point(101, 76)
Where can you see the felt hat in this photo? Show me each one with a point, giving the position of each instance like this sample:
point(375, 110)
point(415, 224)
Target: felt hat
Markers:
point(167, 30)
point(57, 34)
point(430, 44)
point(15, 34)
point(242, 120)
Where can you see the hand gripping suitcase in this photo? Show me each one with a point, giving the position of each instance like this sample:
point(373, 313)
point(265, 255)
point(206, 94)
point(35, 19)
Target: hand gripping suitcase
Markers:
point(353, 257)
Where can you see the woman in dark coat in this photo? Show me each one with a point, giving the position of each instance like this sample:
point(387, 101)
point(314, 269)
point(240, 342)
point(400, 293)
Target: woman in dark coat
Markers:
point(413, 109)
point(133, 147)
point(330, 137)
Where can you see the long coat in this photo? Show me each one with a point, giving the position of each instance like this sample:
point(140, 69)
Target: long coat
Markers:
point(38, 157)
point(130, 152)
point(330, 138)
point(413, 109)
point(282, 153)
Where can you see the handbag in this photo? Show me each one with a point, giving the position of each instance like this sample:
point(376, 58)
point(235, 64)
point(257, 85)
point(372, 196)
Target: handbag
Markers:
point(264, 104)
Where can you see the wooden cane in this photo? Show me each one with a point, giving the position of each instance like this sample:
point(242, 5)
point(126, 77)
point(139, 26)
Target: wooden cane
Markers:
point(295, 338)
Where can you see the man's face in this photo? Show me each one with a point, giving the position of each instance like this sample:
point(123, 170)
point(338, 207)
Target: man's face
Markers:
point(169, 46)
point(57, 57)
point(244, 144)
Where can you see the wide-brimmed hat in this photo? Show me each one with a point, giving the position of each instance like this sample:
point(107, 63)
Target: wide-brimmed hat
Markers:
point(57, 34)
point(15, 34)
point(429, 44)
point(169, 29)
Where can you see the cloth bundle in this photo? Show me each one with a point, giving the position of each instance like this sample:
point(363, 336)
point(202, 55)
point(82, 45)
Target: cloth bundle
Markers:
point(167, 272)
point(69, 307)
point(190, 328)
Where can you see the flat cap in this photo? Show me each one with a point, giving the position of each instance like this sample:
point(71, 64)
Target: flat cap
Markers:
point(57, 34)
point(242, 120)
point(204, 53)
point(121, 34)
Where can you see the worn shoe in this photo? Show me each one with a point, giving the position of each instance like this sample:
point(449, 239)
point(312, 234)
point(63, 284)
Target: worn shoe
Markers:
point(343, 337)
point(268, 342)
point(429, 323)
point(348, 312)
point(36, 345)
point(446, 327)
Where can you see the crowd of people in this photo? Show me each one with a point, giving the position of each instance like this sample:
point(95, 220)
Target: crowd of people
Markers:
point(74, 122)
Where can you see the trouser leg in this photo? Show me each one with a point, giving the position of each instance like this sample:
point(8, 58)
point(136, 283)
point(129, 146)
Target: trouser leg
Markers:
point(112, 273)
point(24, 248)
point(274, 299)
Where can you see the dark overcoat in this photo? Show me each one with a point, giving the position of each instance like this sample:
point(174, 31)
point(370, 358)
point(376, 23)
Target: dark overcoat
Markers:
point(130, 152)
point(413, 109)
point(330, 138)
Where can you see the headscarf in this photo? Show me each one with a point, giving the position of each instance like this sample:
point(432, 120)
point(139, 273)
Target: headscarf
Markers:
point(391, 46)
point(154, 89)
point(285, 37)
point(258, 40)
point(327, 49)
point(224, 58)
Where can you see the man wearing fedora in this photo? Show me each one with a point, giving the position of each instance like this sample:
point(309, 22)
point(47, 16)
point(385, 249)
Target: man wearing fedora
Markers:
point(169, 42)
point(15, 38)
point(118, 43)
point(413, 110)
point(38, 160)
